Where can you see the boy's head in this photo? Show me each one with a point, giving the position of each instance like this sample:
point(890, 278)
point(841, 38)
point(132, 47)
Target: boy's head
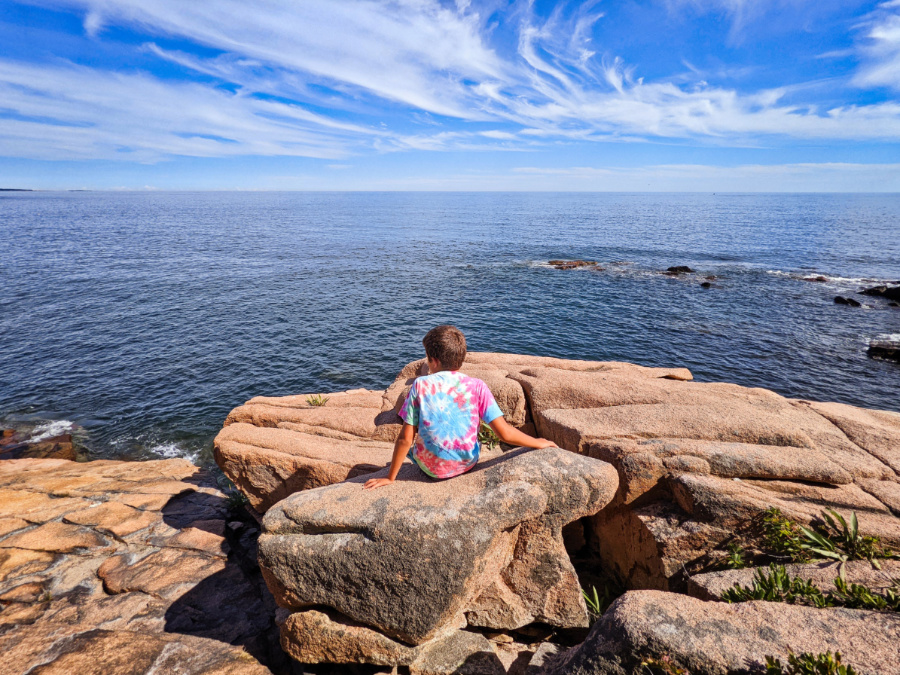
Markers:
point(447, 346)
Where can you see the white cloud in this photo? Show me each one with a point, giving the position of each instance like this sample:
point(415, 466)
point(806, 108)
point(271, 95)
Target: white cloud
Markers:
point(826, 177)
point(74, 112)
point(881, 49)
point(425, 58)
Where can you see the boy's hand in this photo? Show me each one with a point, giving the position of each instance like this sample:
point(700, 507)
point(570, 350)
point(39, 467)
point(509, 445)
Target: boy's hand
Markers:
point(544, 443)
point(373, 483)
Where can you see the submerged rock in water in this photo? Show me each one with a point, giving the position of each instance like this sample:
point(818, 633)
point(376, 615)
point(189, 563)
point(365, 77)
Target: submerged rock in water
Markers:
point(888, 292)
point(884, 348)
point(572, 264)
point(840, 300)
point(678, 270)
point(17, 445)
point(419, 557)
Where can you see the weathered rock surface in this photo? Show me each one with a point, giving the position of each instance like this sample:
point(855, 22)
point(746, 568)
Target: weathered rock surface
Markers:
point(693, 459)
point(717, 638)
point(420, 557)
point(712, 585)
point(269, 464)
point(694, 463)
point(313, 636)
point(696, 460)
point(123, 567)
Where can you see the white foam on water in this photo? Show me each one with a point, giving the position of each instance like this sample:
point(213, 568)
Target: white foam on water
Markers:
point(829, 279)
point(173, 451)
point(47, 430)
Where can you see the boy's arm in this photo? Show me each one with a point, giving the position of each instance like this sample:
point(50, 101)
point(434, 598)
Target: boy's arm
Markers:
point(401, 448)
point(509, 434)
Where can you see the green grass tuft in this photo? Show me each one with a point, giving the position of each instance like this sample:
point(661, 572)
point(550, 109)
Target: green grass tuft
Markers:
point(317, 400)
point(487, 437)
point(775, 585)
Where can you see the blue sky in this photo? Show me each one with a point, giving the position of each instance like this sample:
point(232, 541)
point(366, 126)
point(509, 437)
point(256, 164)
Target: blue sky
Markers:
point(721, 95)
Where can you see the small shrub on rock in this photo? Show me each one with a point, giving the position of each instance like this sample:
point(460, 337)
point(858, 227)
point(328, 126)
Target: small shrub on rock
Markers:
point(857, 596)
point(662, 666)
point(317, 400)
point(776, 585)
point(809, 664)
point(782, 536)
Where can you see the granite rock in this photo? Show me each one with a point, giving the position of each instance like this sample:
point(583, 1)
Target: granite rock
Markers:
point(717, 638)
point(415, 557)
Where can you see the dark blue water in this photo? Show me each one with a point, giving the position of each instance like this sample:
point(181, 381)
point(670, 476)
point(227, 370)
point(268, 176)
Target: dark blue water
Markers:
point(145, 317)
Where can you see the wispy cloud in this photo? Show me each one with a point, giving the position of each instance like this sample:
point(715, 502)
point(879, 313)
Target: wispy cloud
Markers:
point(881, 48)
point(287, 77)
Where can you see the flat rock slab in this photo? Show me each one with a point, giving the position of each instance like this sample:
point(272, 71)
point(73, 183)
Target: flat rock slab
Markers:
point(268, 464)
point(717, 638)
point(412, 558)
point(712, 585)
point(123, 567)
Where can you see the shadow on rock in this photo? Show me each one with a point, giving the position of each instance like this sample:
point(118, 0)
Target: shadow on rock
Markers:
point(232, 605)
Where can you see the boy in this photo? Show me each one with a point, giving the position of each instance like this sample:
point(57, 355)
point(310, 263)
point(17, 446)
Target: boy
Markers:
point(445, 408)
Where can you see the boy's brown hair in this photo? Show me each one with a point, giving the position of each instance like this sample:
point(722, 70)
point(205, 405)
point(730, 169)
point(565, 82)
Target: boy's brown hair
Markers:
point(447, 344)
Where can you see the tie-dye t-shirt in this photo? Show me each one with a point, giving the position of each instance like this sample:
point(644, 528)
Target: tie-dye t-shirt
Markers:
point(447, 408)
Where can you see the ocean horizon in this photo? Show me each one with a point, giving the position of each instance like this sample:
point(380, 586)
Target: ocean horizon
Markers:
point(140, 318)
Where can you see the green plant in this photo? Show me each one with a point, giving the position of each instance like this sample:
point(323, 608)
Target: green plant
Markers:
point(46, 597)
point(775, 585)
point(662, 666)
point(235, 500)
point(782, 536)
point(317, 400)
point(596, 603)
point(857, 596)
point(487, 437)
point(809, 664)
point(840, 540)
point(735, 558)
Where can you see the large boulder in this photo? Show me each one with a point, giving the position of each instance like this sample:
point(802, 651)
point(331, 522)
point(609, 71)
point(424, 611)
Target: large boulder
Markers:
point(717, 638)
point(697, 460)
point(421, 557)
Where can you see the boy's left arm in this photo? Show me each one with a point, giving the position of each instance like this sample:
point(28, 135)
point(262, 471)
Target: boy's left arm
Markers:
point(509, 434)
point(401, 447)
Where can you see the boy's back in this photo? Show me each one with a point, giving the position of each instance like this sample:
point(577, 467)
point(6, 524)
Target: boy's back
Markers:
point(447, 407)
point(442, 413)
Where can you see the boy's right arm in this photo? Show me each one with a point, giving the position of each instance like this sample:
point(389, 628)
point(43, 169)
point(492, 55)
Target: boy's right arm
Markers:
point(401, 448)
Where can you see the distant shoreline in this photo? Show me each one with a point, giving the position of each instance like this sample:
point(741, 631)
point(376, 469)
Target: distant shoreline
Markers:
point(16, 190)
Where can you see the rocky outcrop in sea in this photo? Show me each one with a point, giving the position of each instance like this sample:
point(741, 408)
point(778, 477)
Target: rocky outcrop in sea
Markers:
point(665, 492)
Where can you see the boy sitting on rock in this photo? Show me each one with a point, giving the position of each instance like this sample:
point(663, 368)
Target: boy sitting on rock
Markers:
point(445, 408)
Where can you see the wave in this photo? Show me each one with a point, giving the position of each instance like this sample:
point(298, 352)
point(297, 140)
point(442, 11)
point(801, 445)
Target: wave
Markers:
point(831, 278)
point(174, 451)
point(47, 430)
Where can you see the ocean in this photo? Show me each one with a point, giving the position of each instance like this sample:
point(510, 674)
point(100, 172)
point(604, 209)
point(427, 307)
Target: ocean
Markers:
point(140, 319)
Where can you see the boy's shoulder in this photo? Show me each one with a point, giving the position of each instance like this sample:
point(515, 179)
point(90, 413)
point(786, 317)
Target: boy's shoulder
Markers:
point(448, 378)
